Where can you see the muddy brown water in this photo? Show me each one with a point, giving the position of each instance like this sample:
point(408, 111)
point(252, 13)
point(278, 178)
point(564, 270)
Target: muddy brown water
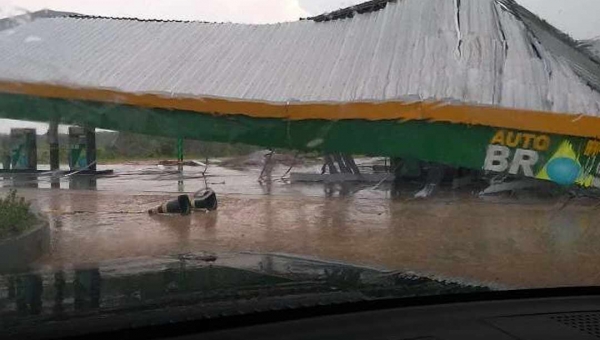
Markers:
point(509, 242)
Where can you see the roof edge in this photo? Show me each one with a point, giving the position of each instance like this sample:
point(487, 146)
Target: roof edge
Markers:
point(351, 11)
point(21, 19)
point(104, 17)
point(431, 111)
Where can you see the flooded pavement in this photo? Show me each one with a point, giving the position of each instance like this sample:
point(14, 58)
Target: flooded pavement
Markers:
point(510, 242)
point(146, 178)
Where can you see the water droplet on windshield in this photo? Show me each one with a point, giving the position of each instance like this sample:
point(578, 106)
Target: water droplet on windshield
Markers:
point(32, 38)
point(315, 142)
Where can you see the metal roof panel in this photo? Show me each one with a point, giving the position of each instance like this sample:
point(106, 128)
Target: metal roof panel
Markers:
point(490, 52)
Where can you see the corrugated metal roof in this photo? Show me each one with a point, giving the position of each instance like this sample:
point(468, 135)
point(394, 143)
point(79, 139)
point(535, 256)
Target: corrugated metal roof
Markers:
point(474, 51)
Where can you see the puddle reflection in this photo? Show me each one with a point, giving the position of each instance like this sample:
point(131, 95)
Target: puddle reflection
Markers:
point(83, 182)
point(194, 278)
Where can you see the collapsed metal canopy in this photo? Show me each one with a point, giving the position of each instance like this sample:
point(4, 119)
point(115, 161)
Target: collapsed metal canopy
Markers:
point(593, 46)
point(442, 81)
point(490, 52)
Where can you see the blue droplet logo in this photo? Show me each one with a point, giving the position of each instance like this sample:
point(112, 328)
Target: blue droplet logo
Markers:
point(563, 171)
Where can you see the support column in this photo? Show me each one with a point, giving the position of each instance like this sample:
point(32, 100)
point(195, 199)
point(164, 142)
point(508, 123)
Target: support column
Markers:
point(54, 147)
point(90, 141)
point(54, 154)
point(180, 185)
point(180, 154)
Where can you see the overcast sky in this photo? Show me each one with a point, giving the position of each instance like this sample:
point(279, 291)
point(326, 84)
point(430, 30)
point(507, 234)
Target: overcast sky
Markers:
point(579, 18)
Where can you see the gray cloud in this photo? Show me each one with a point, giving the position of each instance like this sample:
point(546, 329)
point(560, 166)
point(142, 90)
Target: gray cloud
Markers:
point(579, 18)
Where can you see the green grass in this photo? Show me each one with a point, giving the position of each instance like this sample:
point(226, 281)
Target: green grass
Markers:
point(15, 216)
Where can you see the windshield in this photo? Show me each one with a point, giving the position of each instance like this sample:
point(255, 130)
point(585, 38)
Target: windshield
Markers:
point(156, 152)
